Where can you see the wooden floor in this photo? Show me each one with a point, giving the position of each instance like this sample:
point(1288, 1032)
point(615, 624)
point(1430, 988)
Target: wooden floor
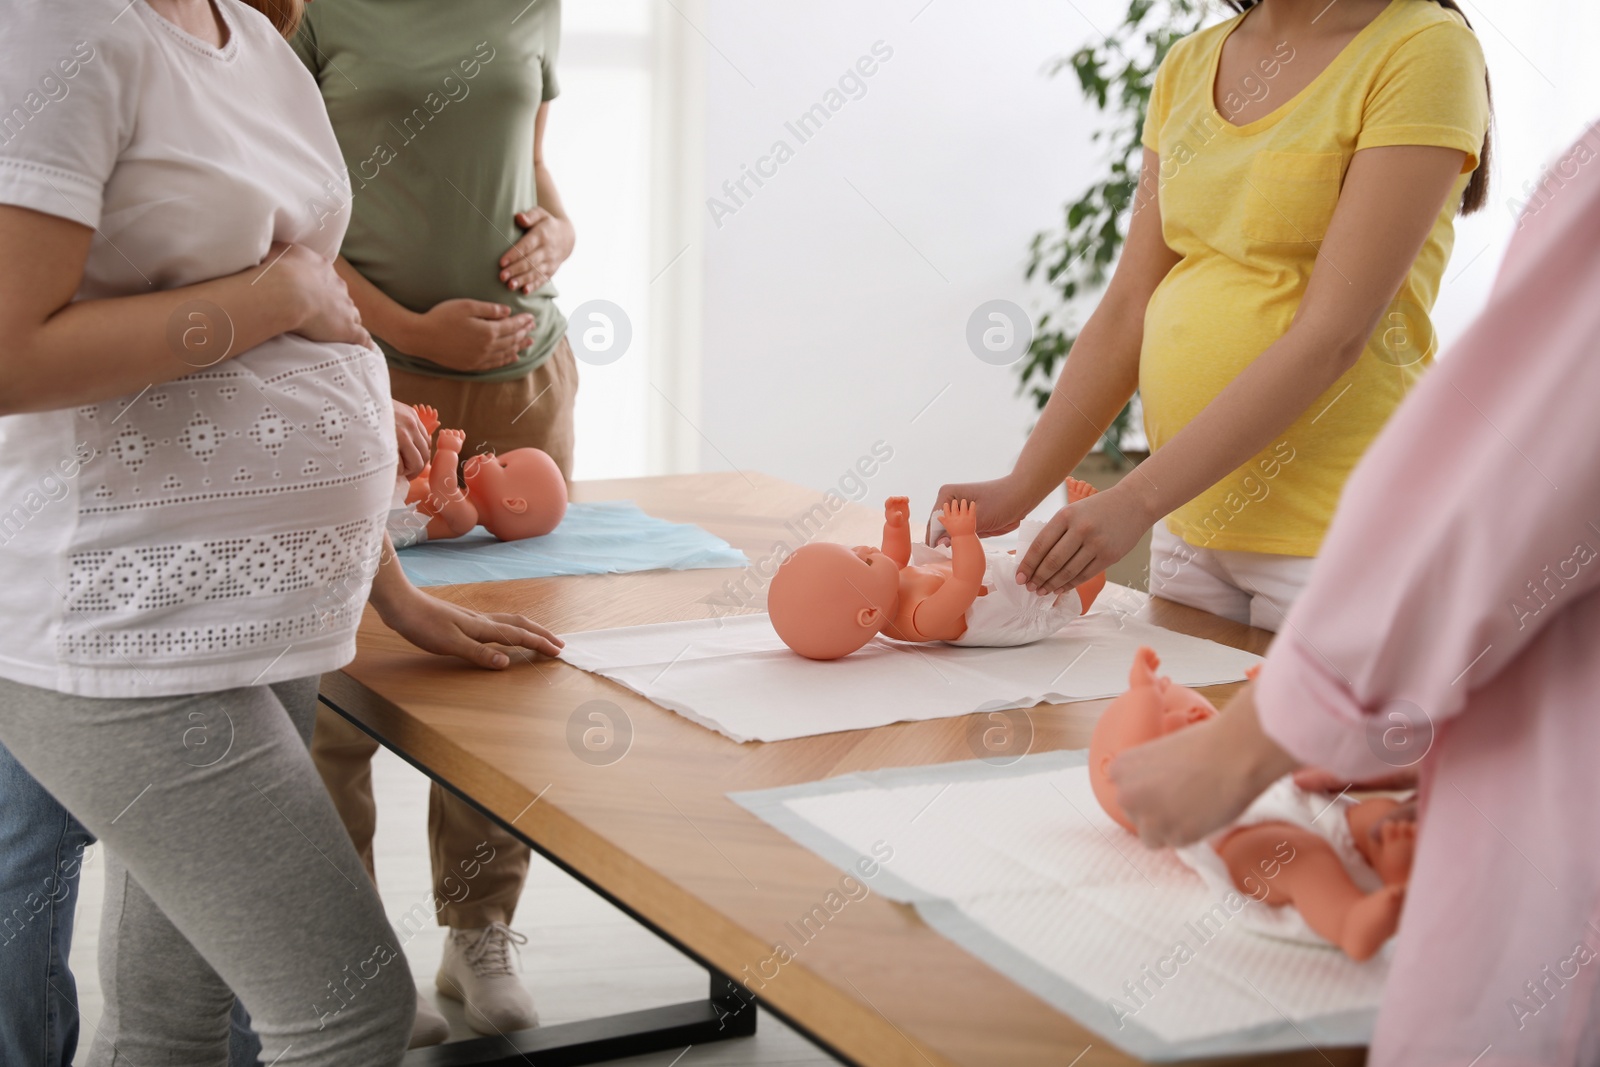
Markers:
point(583, 958)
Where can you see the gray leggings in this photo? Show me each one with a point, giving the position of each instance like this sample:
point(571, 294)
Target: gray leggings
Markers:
point(227, 871)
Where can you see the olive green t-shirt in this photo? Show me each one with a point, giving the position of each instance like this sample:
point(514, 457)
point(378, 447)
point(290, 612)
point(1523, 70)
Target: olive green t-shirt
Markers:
point(433, 102)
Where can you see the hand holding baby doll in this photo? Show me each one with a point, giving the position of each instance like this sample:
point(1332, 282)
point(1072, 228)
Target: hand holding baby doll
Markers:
point(1181, 787)
point(1084, 538)
point(411, 439)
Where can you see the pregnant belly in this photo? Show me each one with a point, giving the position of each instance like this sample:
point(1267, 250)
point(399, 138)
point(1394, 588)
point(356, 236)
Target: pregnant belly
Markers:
point(289, 434)
point(235, 510)
point(1197, 339)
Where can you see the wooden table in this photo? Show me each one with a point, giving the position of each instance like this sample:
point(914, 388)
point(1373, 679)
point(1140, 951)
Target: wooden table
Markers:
point(654, 830)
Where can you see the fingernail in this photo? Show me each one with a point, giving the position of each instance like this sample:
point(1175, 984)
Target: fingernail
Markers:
point(504, 274)
point(499, 659)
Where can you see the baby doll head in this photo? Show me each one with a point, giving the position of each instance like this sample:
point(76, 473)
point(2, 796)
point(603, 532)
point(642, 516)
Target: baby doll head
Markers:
point(827, 600)
point(1153, 707)
point(520, 494)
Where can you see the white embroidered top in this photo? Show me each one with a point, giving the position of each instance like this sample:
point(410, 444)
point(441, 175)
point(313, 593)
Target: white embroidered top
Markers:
point(219, 530)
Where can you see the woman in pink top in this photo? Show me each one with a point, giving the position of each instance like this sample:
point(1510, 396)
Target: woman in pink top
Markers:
point(1452, 623)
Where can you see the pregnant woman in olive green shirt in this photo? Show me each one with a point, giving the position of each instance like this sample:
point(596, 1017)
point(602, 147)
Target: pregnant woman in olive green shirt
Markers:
point(456, 229)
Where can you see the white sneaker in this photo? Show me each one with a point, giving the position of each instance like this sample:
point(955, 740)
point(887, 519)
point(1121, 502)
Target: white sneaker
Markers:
point(431, 1028)
point(479, 970)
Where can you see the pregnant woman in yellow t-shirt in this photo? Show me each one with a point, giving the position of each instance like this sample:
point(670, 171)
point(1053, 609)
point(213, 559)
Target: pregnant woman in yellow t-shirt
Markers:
point(1303, 165)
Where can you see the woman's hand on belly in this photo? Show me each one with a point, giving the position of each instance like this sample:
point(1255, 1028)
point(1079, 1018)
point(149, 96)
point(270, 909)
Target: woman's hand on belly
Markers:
point(61, 352)
point(466, 335)
point(545, 245)
point(326, 312)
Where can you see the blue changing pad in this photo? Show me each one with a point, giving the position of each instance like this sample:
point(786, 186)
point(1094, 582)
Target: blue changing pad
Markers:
point(610, 537)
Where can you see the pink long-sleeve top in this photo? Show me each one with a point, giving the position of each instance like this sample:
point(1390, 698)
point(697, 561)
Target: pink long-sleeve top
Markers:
point(1453, 612)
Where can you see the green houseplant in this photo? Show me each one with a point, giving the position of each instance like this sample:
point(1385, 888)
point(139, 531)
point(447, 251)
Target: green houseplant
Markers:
point(1074, 260)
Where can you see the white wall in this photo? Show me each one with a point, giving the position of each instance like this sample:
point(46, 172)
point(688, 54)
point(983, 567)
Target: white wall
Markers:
point(597, 144)
point(837, 297)
point(834, 314)
point(1546, 91)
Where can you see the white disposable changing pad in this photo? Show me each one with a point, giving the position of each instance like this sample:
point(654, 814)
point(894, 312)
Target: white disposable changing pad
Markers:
point(1019, 866)
point(735, 676)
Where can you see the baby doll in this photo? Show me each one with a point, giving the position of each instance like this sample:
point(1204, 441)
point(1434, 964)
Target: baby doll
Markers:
point(827, 600)
point(518, 495)
point(1345, 880)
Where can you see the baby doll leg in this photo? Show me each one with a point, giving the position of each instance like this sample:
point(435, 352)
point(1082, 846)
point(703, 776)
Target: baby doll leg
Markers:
point(418, 490)
point(441, 528)
point(452, 513)
point(455, 518)
point(1314, 881)
point(897, 529)
point(1390, 849)
point(1090, 587)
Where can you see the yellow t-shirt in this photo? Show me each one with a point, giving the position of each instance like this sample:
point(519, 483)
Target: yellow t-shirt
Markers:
point(1246, 207)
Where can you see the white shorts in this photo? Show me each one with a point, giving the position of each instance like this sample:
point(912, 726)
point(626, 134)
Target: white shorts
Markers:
point(1257, 588)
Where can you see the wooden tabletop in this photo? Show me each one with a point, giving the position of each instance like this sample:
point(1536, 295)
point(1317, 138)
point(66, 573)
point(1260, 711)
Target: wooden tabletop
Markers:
point(655, 829)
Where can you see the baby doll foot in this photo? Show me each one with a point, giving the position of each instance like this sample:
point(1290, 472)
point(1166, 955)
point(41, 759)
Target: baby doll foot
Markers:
point(1396, 844)
point(1090, 588)
point(1371, 921)
point(1079, 490)
point(1143, 672)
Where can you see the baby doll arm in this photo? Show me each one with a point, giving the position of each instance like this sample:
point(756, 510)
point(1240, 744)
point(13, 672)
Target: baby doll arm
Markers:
point(897, 529)
point(443, 478)
point(944, 614)
point(453, 514)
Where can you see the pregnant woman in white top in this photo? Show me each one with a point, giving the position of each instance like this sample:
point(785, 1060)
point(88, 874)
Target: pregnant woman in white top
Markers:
point(196, 456)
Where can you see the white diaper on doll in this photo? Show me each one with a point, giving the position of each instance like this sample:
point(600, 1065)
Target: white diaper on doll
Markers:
point(1283, 801)
point(406, 525)
point(1007, 614)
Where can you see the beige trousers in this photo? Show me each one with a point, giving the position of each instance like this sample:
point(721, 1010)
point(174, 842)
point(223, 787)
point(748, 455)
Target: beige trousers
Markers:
point(478, 868)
